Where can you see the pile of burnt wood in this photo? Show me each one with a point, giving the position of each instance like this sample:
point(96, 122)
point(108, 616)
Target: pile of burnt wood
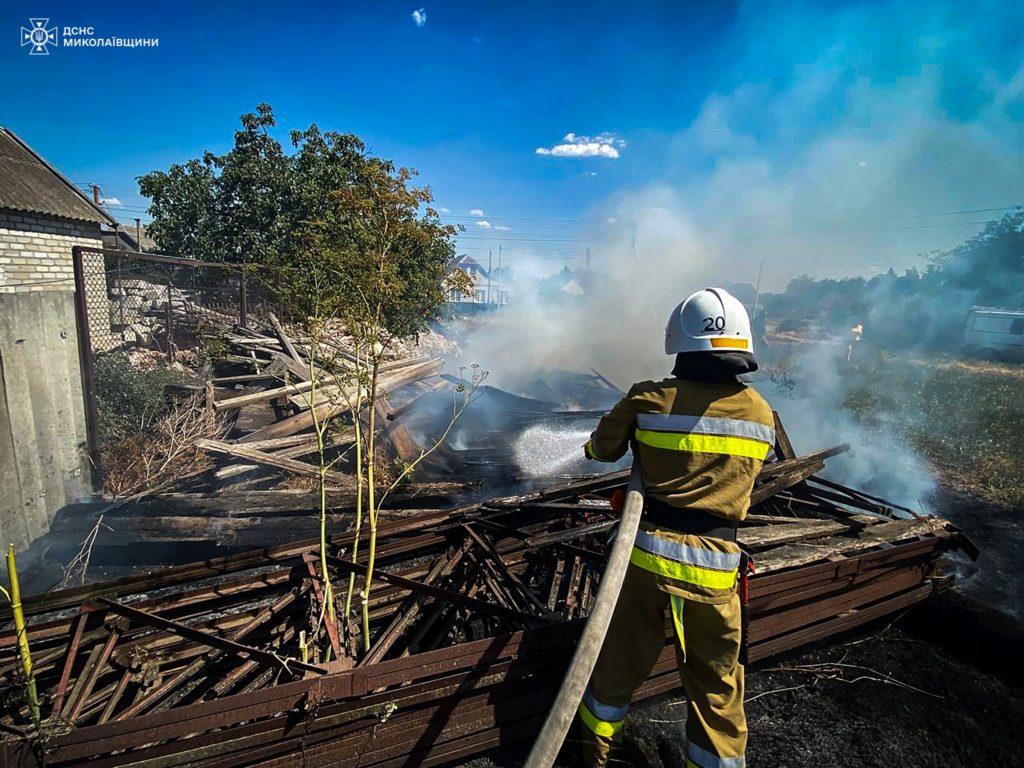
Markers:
point(473, 614)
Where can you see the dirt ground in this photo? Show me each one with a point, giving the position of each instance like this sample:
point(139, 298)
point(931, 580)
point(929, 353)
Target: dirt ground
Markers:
point(884, 697)
point(942, 685)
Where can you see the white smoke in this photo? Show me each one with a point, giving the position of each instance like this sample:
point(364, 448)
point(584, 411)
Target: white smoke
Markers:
point(834, 142)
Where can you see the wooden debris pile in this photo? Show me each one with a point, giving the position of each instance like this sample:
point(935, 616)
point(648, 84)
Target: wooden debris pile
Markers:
point(272, 411)
point(472, 622)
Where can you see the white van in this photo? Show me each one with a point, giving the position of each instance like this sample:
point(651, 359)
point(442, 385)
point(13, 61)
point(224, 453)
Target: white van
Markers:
point(995, 334)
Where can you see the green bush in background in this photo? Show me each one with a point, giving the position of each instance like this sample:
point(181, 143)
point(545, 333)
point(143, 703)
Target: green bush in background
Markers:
point(129, 398)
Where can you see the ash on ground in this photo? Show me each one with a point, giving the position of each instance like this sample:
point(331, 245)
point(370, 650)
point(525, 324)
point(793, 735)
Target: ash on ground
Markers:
point(886, 697)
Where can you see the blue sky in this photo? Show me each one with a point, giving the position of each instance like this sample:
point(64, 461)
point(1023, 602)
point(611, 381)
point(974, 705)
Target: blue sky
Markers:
point(718, 113)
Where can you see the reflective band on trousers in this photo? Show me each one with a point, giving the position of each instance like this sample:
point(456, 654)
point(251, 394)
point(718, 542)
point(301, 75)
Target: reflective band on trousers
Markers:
point(704, 759)
point(705, 425)
point(691, 574)
point(682, 553)
point(677, 617)
point(603, 719)
point(695, 443)
point(694, 565)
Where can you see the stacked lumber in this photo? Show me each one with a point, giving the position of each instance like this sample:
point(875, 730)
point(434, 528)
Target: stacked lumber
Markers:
point(473, 616)
point(294, 385)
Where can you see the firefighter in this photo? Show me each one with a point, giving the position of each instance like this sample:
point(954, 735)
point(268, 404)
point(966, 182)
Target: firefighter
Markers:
point(700, 437)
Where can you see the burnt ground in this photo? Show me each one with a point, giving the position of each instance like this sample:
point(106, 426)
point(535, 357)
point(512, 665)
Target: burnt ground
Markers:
point(942, 685)
point(884, 697)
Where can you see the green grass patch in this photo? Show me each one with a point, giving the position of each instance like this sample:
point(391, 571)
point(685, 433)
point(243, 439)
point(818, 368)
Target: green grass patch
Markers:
point(966, 418)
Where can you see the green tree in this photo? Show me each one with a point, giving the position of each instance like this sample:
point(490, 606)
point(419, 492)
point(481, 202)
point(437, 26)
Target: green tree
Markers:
point(247, 204)
point(991, 263)
point(374, 261)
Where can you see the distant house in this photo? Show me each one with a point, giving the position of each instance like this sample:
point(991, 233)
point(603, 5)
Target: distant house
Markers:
point(489, 288)
point(569, 285)
point(42, 216)
point(745, 292)
point(128, 237)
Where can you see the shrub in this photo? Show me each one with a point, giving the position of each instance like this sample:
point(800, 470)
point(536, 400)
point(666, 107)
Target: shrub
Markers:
point(130, 393)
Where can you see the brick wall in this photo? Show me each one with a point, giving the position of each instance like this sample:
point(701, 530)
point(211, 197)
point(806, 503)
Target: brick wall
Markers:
point(35, 251)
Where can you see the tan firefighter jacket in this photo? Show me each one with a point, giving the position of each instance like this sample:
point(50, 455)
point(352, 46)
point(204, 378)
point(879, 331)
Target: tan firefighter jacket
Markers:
point(701, 446)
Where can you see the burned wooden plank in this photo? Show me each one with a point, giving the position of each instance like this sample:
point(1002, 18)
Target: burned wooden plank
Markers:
point(205, 638)
point(239, 451)
point(441, 594)
point(786, 466)
point(410, 609)
point(793, 555)
point(780, 482)
point(337, 405)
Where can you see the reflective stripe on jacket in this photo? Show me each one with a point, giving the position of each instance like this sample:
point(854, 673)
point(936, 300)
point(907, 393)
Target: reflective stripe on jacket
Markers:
point(701, 445)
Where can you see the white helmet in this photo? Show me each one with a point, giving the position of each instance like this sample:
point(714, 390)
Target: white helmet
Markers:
point(712, 320)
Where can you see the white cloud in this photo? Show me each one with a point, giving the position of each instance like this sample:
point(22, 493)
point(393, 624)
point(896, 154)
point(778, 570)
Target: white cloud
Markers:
point(478, 212)
point(419, 17)
point(110, 201)
point(445, 210)
point(610, 220)
point(484, 224)
point(502, 228)
point(605, 145)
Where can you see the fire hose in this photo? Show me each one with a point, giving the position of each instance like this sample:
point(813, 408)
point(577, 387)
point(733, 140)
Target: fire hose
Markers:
point(549, 742)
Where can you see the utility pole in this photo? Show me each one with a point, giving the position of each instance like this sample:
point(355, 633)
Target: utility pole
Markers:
point(588, 258)
point(490, 254)
point(757, 290)
point(499, 276)
point(138, 234)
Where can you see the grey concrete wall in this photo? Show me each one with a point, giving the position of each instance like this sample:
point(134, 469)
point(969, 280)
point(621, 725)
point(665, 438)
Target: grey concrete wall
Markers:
point(43, 455)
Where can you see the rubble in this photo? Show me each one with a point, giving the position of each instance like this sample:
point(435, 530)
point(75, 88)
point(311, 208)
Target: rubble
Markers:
point(472, 620)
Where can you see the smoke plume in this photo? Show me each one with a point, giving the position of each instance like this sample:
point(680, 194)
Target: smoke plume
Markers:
point(835, 142)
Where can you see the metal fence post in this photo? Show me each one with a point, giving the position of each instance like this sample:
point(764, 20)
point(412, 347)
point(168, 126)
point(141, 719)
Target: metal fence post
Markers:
point(120, 297)
point(92, 432)
point(243, 309)
point(170, 328)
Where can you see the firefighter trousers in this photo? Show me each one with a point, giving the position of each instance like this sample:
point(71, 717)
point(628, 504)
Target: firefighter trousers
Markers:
point(707, 655)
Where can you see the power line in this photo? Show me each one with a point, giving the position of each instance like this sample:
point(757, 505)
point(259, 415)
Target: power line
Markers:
point(959, 213)
point(936, 226)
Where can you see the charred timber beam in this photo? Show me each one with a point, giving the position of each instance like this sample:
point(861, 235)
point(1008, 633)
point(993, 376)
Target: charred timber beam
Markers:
point(205, 638)
point(330, 626)
point(880, 502)
point(410, 609)
point(570, 534)
point(502, 566)
point(773, 468)
point(780, 482)
point(441, 594)
point(69, 663)
point(94, 667)
point(783, 447)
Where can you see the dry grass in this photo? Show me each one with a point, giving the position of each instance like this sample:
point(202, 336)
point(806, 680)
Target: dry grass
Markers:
point(965, 417)
point(164, 453)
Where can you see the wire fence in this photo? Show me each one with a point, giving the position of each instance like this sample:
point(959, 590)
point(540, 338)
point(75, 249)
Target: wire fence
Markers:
point(170, 307)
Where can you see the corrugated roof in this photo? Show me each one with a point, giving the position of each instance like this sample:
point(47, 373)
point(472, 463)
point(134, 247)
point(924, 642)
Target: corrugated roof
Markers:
point(29, 183)
point(125, 239)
